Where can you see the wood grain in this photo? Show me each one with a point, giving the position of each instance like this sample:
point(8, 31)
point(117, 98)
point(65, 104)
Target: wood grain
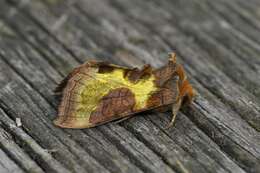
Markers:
point(216, 41)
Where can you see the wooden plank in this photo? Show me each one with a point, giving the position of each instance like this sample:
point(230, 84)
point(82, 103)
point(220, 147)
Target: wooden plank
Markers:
point(20, 95)
point(109, 164)
point(79, 138)
point(7, 165)
point(201, 60)
point(255, 114)
point(211, 136)
point(41, 155)
point(201, 67)
point(17, 154)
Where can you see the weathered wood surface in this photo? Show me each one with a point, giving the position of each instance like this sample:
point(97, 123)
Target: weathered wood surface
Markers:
point(218, 42)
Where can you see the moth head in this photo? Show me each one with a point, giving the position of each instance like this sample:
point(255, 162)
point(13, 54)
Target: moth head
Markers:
point(172, 63)
point(178, 69)
point(172, 58)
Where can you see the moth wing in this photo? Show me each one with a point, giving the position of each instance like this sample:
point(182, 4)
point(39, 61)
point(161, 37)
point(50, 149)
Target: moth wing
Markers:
point(118, 103)
point(58, 90)
point(102, 65)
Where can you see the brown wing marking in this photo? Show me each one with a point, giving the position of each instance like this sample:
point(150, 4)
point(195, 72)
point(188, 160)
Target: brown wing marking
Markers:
point(162, 97)
point(162, 75)
point(71, 92)
point(116, 104)
point(134, 75)
point(75, 71)
point(168, 83)
point(71, 88)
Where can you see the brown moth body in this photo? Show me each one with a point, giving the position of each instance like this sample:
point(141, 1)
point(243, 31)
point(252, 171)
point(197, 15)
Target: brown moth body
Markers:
point(96, 92)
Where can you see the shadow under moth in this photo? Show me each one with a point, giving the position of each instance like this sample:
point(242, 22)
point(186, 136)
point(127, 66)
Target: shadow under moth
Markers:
point(97, 92)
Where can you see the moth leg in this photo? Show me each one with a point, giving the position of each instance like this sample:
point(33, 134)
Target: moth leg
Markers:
point(181, 73)
point(184, 85)
point(175, 108)
point(185, 90)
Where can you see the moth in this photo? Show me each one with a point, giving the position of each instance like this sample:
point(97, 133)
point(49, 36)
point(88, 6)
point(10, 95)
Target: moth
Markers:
point(98, 92)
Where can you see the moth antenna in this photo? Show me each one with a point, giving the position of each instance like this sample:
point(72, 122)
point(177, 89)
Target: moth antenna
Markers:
point(175, 108)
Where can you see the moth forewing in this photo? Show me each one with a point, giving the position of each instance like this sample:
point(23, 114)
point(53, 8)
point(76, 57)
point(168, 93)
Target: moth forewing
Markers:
point(96, 92)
